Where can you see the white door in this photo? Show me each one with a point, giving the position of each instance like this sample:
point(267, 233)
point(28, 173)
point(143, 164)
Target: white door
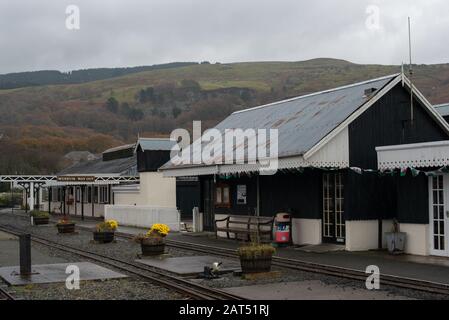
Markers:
point(439, 215)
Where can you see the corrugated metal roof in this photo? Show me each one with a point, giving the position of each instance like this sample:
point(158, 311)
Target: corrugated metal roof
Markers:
point(303, 121)
point(155, 144)
point(99, 166)
point(123, 147)
point(443, 109)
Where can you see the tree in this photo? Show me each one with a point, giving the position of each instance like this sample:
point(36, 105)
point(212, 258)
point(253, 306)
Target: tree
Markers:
point(112, 105)
point(176, 112)
point(146, 95)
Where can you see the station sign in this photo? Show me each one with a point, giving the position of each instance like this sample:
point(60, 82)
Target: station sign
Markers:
point(76, 178)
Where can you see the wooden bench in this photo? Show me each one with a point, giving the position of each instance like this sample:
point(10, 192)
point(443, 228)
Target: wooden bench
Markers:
point(245, 225)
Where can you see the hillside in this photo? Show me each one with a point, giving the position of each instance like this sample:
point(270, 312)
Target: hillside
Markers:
point(41, 123)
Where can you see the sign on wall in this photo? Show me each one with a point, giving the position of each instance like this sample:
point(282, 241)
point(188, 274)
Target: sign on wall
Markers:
point(241, 194)
point(76, 178)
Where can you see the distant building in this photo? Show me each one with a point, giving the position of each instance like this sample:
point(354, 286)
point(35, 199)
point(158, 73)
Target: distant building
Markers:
point(84, 188)
point(443, 110)
point(79, 156)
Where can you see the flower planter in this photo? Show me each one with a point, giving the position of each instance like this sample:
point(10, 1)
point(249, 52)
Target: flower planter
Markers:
point(104, 237)
point(66, 227)
point(255, 264)
point(40, 221)
point(152, 246)
point(152, 249)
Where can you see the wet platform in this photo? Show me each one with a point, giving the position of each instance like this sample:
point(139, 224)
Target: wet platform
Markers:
point(427, 268)
point(9, 252)
point(190, 265)
point(308, 290)
point(52, 273)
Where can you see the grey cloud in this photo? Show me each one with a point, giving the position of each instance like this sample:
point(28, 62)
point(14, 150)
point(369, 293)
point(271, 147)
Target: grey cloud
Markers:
point(142, 32)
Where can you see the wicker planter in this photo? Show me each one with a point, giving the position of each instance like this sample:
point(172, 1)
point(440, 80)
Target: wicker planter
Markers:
point(104, 237)
point(152, 247)
point(40, 221)
point(255, 264)
point(66, 227)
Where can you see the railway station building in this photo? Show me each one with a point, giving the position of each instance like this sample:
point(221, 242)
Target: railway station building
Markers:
point(351, 161)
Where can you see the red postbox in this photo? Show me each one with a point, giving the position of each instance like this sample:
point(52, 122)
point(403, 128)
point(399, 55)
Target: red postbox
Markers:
point(283, 228)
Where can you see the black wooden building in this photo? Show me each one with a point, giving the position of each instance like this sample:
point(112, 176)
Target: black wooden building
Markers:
point(152, 153)
point(327, 175)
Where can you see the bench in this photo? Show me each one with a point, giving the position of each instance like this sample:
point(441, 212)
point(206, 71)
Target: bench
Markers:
point(245, 225)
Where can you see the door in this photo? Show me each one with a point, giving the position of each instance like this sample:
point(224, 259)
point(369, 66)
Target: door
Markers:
point(438, 215)
point(208, 205)
point(333, 208)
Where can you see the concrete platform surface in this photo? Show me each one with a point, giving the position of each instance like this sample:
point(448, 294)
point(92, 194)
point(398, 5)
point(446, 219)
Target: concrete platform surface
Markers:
point(51, 273)
point(427, 268)
point(6, 236)
point(321, 248)
point(309, 290)
point(191, 265)
point(9, 254)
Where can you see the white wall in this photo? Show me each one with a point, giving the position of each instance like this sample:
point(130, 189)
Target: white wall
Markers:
point(154, 190)
point(417, 239)
point(157, 190)
point(306, 231)
point(363, 235)
point(143, 216)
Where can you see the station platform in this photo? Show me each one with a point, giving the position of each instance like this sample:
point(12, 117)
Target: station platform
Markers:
point(427, 268)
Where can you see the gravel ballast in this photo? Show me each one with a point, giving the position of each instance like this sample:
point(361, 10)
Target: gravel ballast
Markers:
point(128, 250)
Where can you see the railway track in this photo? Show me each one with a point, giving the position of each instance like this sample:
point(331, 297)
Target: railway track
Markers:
point(5, 295)
point(191, 289)
point(299, 265)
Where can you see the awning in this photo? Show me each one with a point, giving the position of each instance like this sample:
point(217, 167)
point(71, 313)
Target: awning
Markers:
point(417, 155)
point(283, 163)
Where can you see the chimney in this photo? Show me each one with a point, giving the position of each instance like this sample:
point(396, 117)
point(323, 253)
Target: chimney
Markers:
point(369, 92)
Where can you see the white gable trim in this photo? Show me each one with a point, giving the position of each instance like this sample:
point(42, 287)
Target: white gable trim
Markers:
point(401, 78)
point(352, 117)
point(417, 155)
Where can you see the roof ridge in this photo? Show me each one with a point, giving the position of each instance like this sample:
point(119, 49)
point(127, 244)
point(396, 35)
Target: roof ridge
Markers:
point(441, 105)
point(318, 93)
point(142, 138)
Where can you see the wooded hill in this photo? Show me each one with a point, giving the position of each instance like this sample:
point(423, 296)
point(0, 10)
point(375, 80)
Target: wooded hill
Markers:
point(40, 124)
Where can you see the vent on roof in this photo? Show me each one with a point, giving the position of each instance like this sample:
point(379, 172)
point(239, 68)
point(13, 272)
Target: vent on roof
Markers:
point(369, 92)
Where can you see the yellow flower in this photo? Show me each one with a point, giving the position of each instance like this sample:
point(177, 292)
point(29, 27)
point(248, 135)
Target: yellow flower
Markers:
point(160, 229)
point(112, 224)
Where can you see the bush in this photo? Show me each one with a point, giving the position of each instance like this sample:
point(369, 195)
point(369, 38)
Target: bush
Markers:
point(8, 200)
point(256, 250)
point(107, 226)
point(39, 214)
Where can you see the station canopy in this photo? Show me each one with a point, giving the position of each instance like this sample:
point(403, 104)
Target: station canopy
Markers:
point(416, 155)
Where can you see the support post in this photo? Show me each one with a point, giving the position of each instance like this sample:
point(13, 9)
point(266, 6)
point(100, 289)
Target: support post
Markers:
point(31, 198)
point(50, 198)
point(258, 196)
point(82, 202)
point(25, 254)
point(379, 232)
point(63, 200)
point(93, 199)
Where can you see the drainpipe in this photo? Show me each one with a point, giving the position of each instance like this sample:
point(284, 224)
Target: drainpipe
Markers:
point(379, 234)
point(258, 196)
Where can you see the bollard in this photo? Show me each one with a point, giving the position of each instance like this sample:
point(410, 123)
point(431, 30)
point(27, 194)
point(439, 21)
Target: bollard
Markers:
point(25, 254)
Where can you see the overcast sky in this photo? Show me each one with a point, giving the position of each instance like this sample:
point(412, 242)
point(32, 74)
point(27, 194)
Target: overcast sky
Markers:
point(34, 36)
